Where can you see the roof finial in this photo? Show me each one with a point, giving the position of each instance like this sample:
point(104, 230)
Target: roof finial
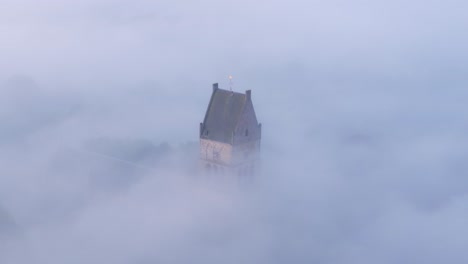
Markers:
point(230, 82)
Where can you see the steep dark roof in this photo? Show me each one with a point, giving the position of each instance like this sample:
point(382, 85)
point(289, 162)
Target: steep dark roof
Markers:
point(222, 115)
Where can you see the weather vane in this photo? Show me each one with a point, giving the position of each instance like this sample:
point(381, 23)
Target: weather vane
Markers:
point(230, 82)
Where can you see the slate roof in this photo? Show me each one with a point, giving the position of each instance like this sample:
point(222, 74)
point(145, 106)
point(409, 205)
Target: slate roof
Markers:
point(222, 115)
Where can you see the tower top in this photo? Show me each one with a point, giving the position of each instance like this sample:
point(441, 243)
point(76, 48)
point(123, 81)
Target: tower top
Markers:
point(224, 114)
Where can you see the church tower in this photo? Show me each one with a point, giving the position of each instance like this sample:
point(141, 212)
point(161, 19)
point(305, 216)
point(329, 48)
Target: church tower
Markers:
point(230, 134)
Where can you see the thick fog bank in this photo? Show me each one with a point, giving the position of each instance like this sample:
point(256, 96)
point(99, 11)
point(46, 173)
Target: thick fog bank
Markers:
point(363, 111)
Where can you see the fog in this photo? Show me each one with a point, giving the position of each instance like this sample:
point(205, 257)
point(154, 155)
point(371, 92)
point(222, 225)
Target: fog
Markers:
point(363, 111)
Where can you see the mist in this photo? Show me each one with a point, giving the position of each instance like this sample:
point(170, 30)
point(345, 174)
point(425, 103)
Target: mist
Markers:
point(363, 113)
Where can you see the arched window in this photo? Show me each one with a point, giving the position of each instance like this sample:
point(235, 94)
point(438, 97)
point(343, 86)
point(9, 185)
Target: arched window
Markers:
point(246, 132)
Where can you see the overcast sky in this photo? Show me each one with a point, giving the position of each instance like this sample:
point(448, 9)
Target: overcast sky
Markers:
point(364, 148)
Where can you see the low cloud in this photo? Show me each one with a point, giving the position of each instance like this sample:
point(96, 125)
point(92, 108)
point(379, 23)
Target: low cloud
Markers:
point(363, 147)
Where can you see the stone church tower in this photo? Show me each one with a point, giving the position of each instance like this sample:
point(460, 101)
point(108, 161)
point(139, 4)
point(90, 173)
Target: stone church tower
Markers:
point(230, 134)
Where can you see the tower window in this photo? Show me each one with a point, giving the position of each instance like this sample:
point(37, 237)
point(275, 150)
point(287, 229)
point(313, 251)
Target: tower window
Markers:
point(246, 132)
